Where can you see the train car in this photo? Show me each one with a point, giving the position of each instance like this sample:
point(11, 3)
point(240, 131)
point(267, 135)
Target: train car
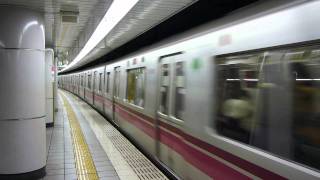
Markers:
point(235, 99)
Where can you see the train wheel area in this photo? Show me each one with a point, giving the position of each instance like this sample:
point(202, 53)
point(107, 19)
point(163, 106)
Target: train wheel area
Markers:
point(84, 145)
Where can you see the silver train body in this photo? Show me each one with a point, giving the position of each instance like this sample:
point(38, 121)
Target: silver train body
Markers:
point(236, 99)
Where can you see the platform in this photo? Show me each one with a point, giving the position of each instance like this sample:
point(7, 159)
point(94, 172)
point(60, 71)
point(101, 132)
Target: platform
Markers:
point(84, 145)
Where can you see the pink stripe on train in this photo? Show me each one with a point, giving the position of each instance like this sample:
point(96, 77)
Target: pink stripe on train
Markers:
point(205, 163)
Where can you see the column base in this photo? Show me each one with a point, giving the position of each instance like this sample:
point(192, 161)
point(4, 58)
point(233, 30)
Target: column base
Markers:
point(37, 174)
point(50, 124)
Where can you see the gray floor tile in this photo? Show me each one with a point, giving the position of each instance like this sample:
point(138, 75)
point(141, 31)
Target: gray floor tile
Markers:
point(55, 166)
point(102, 163)
point(70, 171)
point(107, 174)
point(105, 168)
point(110, 178)
point(55, 161)
point(55, 172)
point(69, 165)
point(69, 161)
point(55, 177)
point(70, 177)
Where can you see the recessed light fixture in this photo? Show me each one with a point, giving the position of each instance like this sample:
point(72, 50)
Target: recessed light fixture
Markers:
point(117, 10)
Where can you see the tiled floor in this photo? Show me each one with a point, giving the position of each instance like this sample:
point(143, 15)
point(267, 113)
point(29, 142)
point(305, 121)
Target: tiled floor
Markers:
point(127, 160)
point(104, 145)
point(60, 159)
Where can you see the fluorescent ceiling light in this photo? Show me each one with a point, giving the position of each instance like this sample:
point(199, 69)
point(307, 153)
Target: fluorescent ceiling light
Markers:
point(117, 10)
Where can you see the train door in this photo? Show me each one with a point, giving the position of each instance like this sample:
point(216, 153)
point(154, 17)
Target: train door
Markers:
point(103, 93)
point(170, 105)
point(116, 92)
point(94, 87)
point(79, 84)
point(84, 85)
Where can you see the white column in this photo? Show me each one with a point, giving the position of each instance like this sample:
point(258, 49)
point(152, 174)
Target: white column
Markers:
point(22, 93)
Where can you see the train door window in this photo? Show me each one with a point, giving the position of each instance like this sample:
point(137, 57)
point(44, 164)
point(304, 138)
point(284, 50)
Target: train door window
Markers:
point(81, 80)
point(95, 80)
point(236, 95)
point(267, 100)
point(135, 86)
point(89, 81)
point(100, 82)
point(179, 91)
point(85, 80)
point(304, 75)
point(117, 82)
point(107, 82)
point(164, 88)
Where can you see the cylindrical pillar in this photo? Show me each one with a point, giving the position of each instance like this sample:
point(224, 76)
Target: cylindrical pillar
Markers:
point(22, 94)
point(50, 85)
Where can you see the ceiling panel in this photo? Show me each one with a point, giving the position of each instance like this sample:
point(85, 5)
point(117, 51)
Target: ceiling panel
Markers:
point(67, 39)
point(143, 16)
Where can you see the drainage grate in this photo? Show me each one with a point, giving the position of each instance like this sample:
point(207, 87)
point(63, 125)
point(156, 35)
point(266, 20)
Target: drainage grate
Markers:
point(141, 165)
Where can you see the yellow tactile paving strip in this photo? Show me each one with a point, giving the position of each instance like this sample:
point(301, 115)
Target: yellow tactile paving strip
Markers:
point(85, 167)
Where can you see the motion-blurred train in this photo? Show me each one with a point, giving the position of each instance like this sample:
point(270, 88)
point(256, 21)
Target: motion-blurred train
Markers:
point(238, 98)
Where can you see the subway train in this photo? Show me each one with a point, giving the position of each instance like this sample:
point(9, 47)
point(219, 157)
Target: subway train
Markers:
point(238, 98)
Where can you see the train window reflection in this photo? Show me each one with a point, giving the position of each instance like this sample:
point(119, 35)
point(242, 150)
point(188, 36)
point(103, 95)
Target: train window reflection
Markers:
point(164, 89)
point(135, 86)
point(117, 82)
point(89, 81)
point(100, 82)
point(108, 82)
point(95, 81)
point(305, 75)
point(271, 101)
point(179, 91)
point(237, 89)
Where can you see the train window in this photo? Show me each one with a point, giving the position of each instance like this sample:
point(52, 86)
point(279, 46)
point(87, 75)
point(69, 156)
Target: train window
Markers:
point(164, 89)
point(136, 86)
point(178, 108)
point(89, 81)
point(95, 81)
point(100, 82)
point(85, 80)
point(236, 96)
point(117, 82)
point(81, 81)
point(304, 78)
point(107, 82)
point(270, 99)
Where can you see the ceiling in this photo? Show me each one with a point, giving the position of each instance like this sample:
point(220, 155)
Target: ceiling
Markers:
point(67, 39)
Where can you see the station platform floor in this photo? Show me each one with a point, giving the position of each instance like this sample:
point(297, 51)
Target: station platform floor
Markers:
point(84, 145)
